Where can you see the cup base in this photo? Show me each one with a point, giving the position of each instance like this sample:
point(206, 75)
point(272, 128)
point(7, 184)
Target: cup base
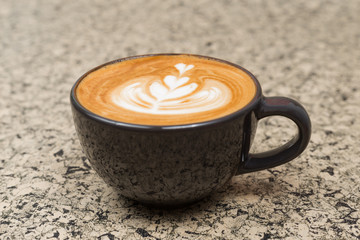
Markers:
point(168, 205)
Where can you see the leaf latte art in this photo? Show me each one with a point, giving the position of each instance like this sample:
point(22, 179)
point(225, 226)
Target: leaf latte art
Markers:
point(172, 95)
point(165, 90)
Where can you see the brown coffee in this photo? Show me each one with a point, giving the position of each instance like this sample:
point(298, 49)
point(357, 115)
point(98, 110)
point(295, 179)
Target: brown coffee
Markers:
point(166, 90)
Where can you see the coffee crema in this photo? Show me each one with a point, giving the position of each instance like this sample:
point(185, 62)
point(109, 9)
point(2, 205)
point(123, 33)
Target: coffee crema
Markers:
point(166, 90)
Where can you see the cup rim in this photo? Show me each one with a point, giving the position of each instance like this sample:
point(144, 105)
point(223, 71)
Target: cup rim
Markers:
point(143, 127)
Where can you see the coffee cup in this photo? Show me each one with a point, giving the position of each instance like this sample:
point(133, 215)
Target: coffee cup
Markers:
point(170, 129)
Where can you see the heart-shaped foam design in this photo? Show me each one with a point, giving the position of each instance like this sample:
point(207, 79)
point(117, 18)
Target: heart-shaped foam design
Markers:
point(158, 90)
point(173, 82)
point(183, 67)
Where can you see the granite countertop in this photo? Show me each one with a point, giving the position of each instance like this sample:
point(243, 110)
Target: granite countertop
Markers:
point(306, 50)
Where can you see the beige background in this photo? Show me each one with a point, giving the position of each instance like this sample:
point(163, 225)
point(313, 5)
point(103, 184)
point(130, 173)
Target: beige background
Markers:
point(307, 50)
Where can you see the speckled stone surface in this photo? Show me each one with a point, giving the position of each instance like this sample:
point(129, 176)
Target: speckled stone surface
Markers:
point(307, 50)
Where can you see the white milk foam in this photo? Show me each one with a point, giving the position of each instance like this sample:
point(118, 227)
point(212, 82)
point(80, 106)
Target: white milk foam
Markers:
point(173, 95)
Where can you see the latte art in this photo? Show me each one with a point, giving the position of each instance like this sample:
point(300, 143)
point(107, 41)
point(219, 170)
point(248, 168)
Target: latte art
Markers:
point(172, 95)
point(165, 90)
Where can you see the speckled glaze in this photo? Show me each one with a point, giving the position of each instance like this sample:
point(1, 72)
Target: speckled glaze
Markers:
point(162, 167)
point(176, 165)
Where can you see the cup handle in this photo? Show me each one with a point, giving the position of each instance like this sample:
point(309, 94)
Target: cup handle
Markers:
point(291, 109)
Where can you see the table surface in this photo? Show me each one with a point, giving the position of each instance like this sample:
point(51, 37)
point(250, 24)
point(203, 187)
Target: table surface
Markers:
point(306, 50)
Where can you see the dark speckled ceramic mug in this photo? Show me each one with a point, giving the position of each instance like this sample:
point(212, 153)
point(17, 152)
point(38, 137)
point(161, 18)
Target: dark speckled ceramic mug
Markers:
point(172, 165)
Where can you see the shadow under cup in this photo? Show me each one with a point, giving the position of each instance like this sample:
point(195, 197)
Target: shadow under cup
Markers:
point(178, 164)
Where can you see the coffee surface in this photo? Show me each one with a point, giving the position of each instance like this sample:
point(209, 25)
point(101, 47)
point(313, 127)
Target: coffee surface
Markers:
point(166, 90)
